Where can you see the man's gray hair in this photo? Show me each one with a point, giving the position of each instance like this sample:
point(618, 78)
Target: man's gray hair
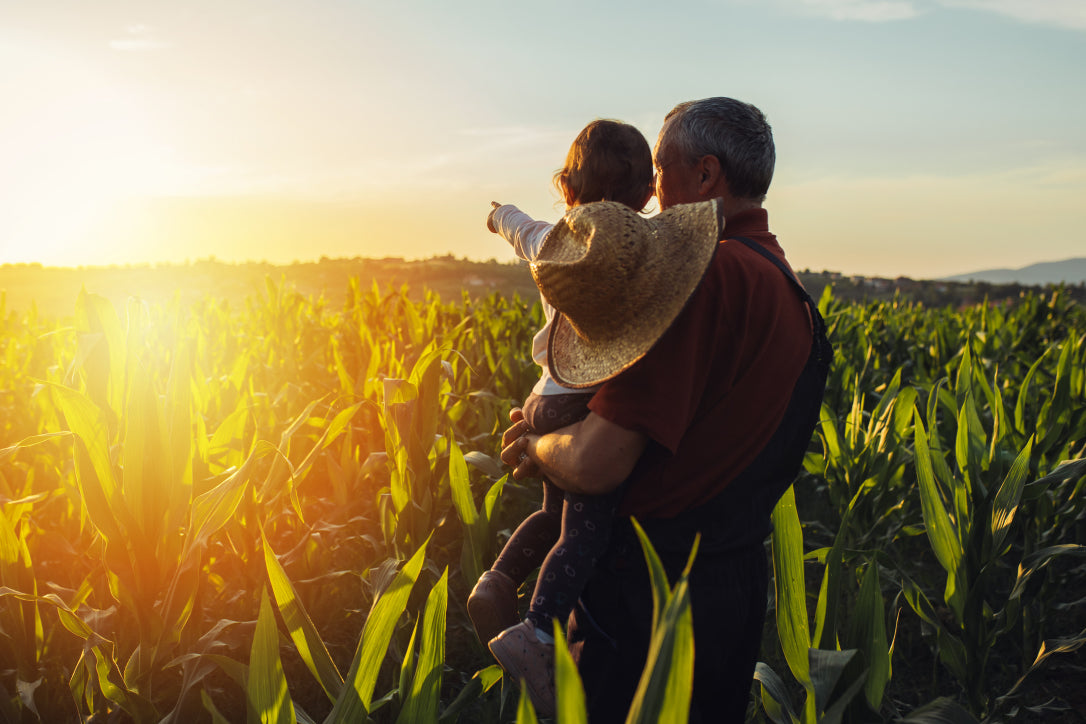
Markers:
point(735, 132)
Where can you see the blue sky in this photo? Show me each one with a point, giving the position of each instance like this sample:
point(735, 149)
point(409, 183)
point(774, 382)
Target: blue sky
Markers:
point(914, 137)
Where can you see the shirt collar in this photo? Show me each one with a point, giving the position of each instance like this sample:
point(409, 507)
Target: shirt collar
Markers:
point(750, 222)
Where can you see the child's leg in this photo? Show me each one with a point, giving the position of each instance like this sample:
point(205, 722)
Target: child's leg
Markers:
point(533, 538)
point(586, 528)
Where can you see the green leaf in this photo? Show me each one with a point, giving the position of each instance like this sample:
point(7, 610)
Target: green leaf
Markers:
point(657, 575)
point(869, 633)
point(829, 433)
point(480, 683)
point(940, 711)
point(667, 681)
point(1048, 648)
point(775, 699)
point(97, 481)
point(105, 366)
point(490, 466)
point(825, 636)
point(1038, 560)
point(791, 594)
point(354, 700)
point(493, 495)
point(31, 441)
point(836, 711)
point(950, 648)
point(940, 529)
point(303, 633)
point(826, 667)
point(421, 703)
point(269, 700)
point(212, 510)
point(569, 691)
point(525, 710)
point(1008, 497)
point(464, 503)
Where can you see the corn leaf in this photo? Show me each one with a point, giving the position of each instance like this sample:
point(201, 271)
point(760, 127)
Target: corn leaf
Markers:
point(354, 701)
point(525, 710)
point(826, 667)
point(869, 632)
point(421, 703)
point(471, 559)
point(269, 700)
point(307, 640)
point(951, 650)
point(940, 711)
point(940, 529)
point(569, 690)
point(775, 699)
point(791, 595)
point(1008, 497)
point(481, 682)
point(667, 682)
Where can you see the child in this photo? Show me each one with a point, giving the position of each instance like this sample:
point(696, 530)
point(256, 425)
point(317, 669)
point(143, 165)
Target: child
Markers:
point(608, 161)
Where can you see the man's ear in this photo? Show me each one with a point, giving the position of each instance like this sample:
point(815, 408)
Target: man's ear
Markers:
point(709, 175)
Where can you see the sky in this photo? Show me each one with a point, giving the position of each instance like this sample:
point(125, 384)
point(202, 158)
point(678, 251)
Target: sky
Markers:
point(916, 138)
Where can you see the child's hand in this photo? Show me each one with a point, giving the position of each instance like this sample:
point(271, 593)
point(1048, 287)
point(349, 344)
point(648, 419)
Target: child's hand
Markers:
point(490, 217)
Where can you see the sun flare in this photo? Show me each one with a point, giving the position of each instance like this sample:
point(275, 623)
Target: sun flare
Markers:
point(71, 163)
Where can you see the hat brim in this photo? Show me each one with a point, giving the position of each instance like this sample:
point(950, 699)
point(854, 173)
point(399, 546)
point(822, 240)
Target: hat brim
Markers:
point(577, 362)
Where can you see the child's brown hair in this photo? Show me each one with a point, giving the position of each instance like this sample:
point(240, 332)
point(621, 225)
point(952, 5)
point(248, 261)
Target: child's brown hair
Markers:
point(608, 161)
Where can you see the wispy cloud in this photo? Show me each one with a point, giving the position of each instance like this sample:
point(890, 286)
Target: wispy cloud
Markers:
point(873, 11)
point(138, 38)
point(1062, 13)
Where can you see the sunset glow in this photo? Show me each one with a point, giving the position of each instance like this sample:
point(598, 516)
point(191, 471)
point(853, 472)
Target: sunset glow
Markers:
point(280, 132)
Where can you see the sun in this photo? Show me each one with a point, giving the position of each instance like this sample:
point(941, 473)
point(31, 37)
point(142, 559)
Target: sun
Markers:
point(71, 163)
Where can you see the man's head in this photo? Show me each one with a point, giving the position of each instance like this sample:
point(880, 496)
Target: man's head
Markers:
point(714, 147)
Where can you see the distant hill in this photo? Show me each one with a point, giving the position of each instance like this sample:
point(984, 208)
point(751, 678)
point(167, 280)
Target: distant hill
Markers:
point(52, 291)
point(1068, 271)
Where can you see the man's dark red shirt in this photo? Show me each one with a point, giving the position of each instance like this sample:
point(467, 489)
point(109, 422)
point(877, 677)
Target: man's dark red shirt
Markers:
point(711, 392)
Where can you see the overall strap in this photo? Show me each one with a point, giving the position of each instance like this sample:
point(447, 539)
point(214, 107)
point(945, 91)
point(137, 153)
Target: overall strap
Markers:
point(739, 515)
point(816, 318)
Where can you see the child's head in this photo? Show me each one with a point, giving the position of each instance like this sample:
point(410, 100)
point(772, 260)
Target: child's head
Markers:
point(608, 161)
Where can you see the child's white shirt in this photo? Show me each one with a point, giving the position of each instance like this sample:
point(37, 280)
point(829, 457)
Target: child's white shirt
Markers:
point(526, 236)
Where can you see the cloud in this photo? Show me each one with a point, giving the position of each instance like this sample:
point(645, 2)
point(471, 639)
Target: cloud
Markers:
point(1062, 13)
point(871, 11)
point(874, 11)
point(138, 38)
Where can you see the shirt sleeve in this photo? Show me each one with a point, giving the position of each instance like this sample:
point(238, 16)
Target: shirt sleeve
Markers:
point(524, 233)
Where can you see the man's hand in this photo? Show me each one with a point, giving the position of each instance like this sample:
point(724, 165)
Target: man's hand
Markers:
point(490, 217)
point(516, 442)
point(590, 457)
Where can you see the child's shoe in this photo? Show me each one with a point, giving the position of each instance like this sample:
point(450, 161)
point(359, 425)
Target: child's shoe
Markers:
point(492, 605)
point(523, 656)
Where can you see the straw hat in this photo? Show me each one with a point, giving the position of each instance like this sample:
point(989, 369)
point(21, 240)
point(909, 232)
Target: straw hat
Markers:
point(618, 281)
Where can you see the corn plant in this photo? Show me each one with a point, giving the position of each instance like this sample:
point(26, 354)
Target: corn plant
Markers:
point(969, 508)
point(191, 491)
point(819, 664)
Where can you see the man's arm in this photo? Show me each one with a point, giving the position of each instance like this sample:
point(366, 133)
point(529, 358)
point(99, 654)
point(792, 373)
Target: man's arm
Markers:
point(590, 457)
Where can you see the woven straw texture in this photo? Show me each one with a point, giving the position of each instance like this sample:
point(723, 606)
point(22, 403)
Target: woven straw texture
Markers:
point(618, 281)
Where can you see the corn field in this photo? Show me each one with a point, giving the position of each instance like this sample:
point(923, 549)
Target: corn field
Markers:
point(274, 512)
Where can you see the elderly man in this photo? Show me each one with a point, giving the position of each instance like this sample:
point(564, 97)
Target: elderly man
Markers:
point(705, 431)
